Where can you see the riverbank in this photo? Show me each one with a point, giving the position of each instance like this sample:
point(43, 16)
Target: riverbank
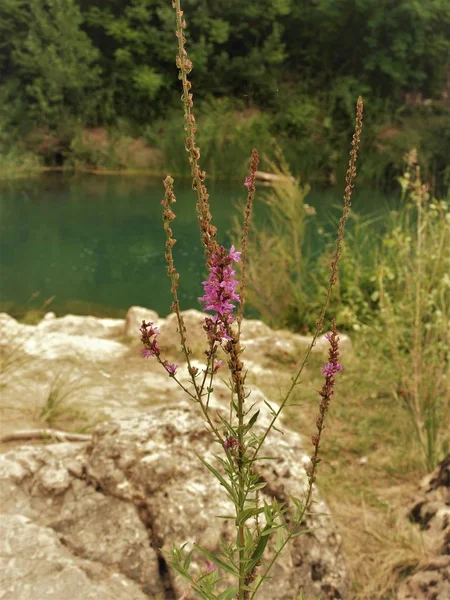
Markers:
point(226, 139)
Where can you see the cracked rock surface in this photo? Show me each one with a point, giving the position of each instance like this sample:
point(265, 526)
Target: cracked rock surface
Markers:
point(36, 564)
point(96, 519)
point(110, 510)
point(431, 512)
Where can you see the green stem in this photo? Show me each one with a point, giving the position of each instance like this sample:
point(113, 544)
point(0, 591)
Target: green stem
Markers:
point(242, 493)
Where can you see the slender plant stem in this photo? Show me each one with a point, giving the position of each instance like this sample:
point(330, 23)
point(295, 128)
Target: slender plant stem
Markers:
point(417, 345)
point(250, 182)
point(242, 497)
point(350, 176)
point(168, 216)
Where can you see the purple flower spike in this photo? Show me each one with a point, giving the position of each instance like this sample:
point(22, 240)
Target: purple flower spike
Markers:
point(149, 337)
point(171, 369)
point(330, 369)
point(220, 288)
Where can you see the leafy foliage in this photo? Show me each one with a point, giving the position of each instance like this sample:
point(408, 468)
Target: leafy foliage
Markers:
point(393, 285)
point(55, 60)
point(299, 63)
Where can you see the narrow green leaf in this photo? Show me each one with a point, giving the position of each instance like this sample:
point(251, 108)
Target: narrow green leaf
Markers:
point(303, 532)
point(216, 473)
point(252, 460)
point(298, 503)
point(227, 425)
point(276, 429)
point(181, 572)
point(259, 550)
point(251, 407)
point(253, 419)
point(222, 565)
point(258, 486)
point(228, 594)
point(268, 531)
point(279, 542)
point(187, 560)
point(270, 408)
point(246, 514)
point(268, 513)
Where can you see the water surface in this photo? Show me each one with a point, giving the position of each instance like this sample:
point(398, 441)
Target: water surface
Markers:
point(95, 244)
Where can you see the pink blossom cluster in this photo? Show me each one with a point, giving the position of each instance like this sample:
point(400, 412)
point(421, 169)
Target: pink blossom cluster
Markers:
point(149, 337)
point(333, 366)
point(220, 292)
point(231, 443)
point(331, 369)
point(171, 368)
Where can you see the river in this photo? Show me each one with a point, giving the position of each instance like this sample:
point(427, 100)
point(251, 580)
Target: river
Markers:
point(90, 244)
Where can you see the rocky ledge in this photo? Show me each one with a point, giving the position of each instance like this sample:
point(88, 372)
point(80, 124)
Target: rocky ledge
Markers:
point(95, 519)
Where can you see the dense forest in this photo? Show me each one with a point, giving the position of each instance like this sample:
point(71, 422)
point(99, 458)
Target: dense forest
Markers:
point(264, 70)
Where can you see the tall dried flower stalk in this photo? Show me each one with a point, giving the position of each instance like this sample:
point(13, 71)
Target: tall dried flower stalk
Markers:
point(349, 184)
point(329, 370)
point(184, 64)
point(250, 184)
point(350, 177)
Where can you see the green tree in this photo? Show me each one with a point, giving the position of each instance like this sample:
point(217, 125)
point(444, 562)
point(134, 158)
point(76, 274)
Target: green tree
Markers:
point(392, 45)
point(300, 62)
point(136, 39)
point(55, 62)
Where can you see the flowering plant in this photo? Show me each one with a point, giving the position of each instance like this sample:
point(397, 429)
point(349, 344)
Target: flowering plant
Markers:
point(241, 442)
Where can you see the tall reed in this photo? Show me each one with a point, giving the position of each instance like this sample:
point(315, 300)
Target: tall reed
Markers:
point(413, 281)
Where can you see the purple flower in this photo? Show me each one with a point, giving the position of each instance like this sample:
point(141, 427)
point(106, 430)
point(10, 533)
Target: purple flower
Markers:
point(152, 330)
point(210, 567)
point(230, 443)
point(248, 181)
point(327, 336)
point(234, 254)
point(218, 365)
point(220, 292)
point(149, 337)
point(331, 369)
point(171, 368)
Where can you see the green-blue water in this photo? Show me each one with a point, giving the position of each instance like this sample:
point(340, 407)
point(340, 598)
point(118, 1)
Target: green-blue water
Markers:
point(95, 244)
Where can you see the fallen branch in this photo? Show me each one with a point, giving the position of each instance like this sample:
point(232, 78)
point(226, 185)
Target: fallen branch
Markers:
point(272, 177)
point(45, 434)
